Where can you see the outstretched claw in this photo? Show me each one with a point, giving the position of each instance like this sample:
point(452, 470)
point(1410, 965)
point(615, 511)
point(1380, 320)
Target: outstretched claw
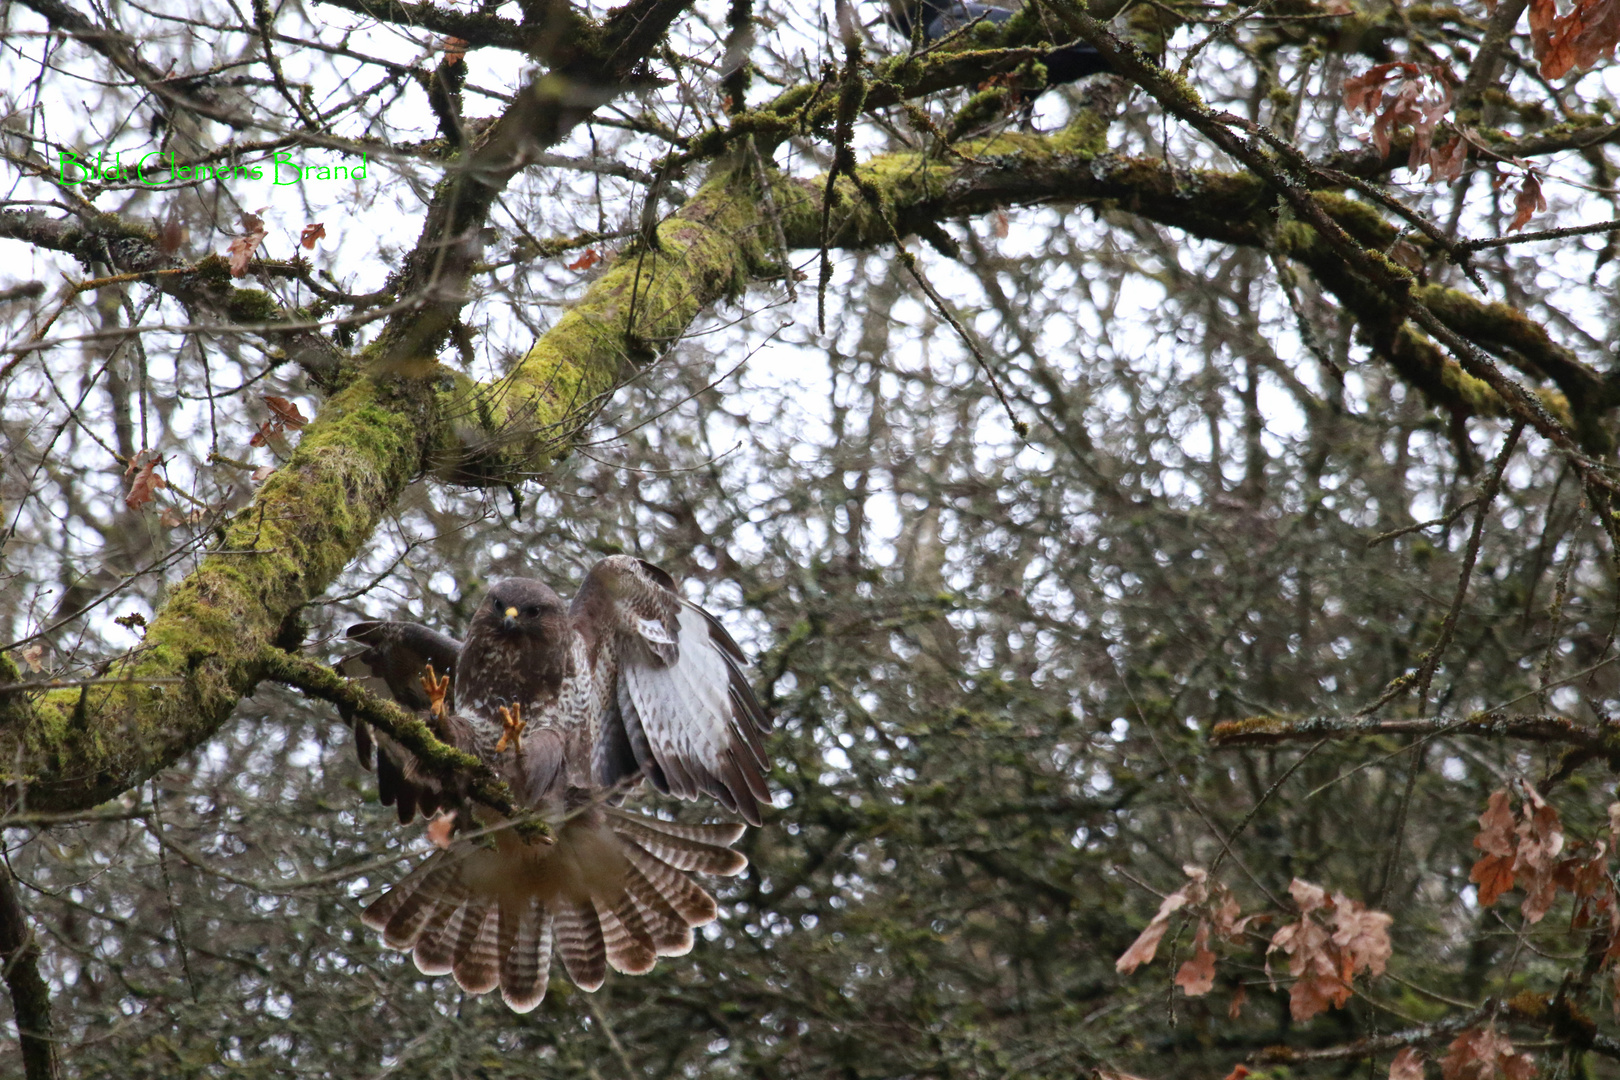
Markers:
point(512, 725)
point(437, 686)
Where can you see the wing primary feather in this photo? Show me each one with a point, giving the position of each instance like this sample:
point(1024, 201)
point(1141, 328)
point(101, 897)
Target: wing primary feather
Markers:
point(389, 778)
point(636, 735)
point(752, 778)
point(721, 636)
point(405, 802)
point(740, 782)
point(363, 748)
point(743, 698)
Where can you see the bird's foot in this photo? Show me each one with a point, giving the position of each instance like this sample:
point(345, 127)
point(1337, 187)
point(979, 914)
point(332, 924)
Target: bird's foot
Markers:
point(437, 686)
point(512, 725)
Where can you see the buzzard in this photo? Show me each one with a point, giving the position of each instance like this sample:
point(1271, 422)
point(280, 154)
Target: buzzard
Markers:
point(573, 705)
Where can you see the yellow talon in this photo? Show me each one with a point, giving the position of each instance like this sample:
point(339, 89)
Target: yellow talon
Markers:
point(512, 725)
point(437, 687)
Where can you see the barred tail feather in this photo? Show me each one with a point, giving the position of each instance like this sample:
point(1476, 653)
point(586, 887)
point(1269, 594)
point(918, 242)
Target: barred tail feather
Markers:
point(695, 906)
point(403, 911)
point(630, 948)
point(580, 943)
point(704, 849)
point(478, 971)
point(526, 966)
point(670, 933)
point(435, 952)
point(612, 891)
point(472, 923)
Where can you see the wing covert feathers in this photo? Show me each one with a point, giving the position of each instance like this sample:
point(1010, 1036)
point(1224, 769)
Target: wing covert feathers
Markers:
point(682, 712)
point(395, 656)
point(494, 918)
point(694, 725)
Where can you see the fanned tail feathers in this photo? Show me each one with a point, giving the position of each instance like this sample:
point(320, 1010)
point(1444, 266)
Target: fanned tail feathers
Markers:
point(613, 891)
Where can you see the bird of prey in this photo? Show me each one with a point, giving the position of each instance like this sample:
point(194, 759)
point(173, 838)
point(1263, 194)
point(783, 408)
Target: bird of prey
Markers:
point(572, 705)
point(938, 18)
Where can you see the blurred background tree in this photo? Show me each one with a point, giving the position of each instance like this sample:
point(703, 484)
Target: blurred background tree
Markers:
point(1134, 474)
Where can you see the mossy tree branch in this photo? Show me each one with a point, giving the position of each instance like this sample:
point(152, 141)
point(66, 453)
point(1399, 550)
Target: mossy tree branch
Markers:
point(203, 288)
point(1546, 729)
point(454, 769)
point(73, 749)
point(76, 748)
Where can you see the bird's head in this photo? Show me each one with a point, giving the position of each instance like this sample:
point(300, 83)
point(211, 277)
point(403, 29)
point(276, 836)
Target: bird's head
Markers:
point(523, 606)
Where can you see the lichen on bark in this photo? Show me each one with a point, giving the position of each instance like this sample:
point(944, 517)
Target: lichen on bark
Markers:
point(70, 749)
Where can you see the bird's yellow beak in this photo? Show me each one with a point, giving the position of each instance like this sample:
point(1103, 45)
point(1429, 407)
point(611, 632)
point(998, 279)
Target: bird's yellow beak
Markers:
point(511, 618)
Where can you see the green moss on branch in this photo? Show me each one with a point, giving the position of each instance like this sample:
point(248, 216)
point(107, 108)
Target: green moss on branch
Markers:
point(451, 767)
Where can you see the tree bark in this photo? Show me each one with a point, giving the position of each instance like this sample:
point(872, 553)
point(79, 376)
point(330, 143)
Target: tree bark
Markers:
point(30, 997)
point(73, 749)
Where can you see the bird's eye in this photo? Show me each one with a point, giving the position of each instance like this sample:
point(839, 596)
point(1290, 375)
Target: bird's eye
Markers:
point(532, 612)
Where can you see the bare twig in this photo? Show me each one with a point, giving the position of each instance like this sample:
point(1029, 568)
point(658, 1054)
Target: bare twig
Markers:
point(1545, 234)
point(1424, 674)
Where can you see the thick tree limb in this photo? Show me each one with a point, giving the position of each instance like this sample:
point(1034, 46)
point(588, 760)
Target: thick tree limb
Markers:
point(481, 29)
point(455, 770)
point(1274, 731)
point(73, 750)
point(30, 996)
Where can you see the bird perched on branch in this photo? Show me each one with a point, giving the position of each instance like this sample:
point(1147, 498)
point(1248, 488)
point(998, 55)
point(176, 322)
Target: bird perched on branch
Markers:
point(573, 706)
point(932, 20)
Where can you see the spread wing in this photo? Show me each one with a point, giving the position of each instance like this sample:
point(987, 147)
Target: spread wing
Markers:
point(392, 664)
point(682, 712)
point(396, 654)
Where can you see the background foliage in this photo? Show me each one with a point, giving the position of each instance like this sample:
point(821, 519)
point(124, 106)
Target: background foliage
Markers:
point(1200, 473)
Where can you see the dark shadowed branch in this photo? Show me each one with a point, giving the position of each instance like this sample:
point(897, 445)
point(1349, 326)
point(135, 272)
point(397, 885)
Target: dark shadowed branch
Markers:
point(30, 996)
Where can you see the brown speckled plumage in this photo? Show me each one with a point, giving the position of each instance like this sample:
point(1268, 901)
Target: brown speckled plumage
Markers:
point(630, 682)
